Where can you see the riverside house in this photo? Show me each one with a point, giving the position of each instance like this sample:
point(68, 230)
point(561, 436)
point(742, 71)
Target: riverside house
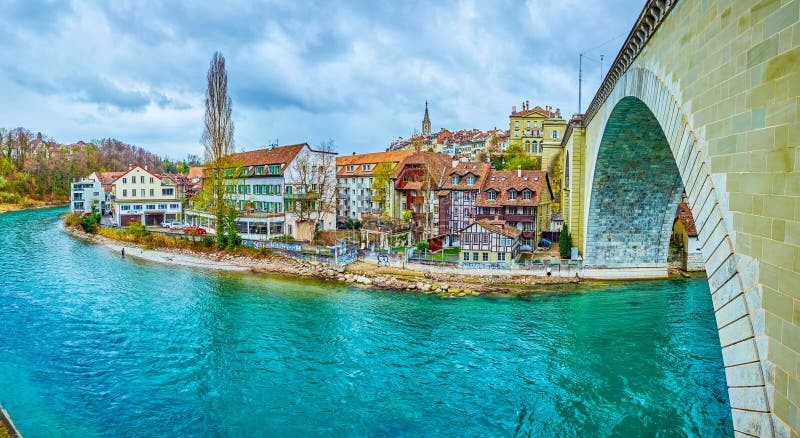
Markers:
point(489, 242)
point(473, 191)
point(139, 195)
point(278, 190)
point(354, 176)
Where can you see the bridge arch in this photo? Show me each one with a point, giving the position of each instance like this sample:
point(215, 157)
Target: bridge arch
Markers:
point(632, 193)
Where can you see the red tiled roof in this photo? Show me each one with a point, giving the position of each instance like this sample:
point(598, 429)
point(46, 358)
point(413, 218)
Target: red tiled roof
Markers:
point(374, 158)
point(685, 216)
point(282, 155)
point(536, 110)
point(479, 170)
point(501, 181)
point(436, 162)
point(195, 172)
point(498, 227)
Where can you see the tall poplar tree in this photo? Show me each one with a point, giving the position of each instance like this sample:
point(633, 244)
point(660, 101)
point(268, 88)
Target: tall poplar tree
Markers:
point(218, 135)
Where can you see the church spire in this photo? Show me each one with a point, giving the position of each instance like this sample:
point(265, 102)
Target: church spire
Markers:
point(426, 122)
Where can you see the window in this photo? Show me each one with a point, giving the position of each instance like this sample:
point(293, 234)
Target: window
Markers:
point(466, 256)
point(491, 195)
point(516, 133)
point(535, 124)
point(554, 134)
point(152, 192)
point(366, 167)
point(152, 180)
point(454, 179)
point(162, 206)
point(526, 195)
point(125, 207)
point(512, 194)
point(528, 125)
point(486, 257)
point(474, 256)
point(141, 179)
point(501, 256)
point(259, 170)
point(516, 123)
point(485, 238)
point(470, 180)
point(124, 180)
point(124, 192)
point(150, 206)
point(351, 168)
point(137, 206)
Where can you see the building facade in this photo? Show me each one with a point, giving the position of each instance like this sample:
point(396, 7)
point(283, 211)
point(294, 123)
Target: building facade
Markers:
point(518, 199)
point(414, 184)
point(85, 194)
point(459, 190)
point(354, 179)
point(521, 199)
point(140, 196)
point(487, 241)
point(538, 131)
point(277, 190)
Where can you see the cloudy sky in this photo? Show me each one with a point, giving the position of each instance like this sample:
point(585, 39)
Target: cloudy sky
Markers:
point(356, 72)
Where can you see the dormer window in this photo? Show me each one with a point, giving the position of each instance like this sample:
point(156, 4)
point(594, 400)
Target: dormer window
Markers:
point(491, 195)
point(527, 195)
point(470, 180)
point(366, 167)
point(454, 179)
point(351, 168)
point(512, 194)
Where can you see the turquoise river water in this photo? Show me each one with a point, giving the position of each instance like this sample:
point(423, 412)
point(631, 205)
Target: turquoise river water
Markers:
point(95, 345)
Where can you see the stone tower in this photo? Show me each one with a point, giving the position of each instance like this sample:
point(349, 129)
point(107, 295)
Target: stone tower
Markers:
point(426, 122)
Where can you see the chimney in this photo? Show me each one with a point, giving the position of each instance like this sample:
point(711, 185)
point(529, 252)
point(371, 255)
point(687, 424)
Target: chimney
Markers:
point(527, 105)
point(513, 109)
point(354, 152)
point(145, 167)
point(519, 171)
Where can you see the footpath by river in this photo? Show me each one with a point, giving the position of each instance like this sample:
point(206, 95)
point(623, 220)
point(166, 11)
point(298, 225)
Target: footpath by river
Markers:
point(443, 282)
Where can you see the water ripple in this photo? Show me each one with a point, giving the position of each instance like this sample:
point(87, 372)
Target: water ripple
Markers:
point(96, 345)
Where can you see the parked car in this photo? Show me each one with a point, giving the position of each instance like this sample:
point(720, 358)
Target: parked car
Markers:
point(167, 223)
point(194, 230)
point(178, 225)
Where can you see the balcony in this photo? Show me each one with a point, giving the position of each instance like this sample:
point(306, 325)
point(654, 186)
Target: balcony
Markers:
point(507, 217)
point(301, 196)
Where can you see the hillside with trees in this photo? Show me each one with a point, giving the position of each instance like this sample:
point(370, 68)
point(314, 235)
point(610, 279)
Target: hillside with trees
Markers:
point(36, 169)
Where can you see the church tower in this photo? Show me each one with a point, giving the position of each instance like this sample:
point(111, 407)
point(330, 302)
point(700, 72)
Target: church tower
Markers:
point(426, 122)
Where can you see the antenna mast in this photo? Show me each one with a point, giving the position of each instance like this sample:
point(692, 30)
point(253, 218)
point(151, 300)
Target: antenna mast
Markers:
point(580, 74)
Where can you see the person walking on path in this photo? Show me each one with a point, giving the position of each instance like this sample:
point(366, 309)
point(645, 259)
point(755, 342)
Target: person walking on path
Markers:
point(123, 253)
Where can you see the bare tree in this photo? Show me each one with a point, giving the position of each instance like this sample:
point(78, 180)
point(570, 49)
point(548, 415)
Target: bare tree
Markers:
point(312, 181)
point(217, 134)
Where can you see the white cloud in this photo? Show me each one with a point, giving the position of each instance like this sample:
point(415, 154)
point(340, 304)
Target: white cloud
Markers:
point(358, 73)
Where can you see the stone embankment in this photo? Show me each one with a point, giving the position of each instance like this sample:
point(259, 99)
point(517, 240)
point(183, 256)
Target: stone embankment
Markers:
point(359, 273)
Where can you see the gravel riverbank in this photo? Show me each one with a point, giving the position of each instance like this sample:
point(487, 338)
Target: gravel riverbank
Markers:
point(444, 284)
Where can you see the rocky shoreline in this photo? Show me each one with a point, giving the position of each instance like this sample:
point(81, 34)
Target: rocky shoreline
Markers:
point(358, 273)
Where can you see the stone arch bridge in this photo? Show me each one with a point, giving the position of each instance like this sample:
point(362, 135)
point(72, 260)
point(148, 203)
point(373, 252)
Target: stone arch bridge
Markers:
point(704, 98)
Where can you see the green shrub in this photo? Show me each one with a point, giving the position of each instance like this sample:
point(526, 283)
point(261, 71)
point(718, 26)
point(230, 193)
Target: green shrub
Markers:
point(207, 242)
point(422, 245)
point(136, 229)
point(565, 242)
point(91, 222)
